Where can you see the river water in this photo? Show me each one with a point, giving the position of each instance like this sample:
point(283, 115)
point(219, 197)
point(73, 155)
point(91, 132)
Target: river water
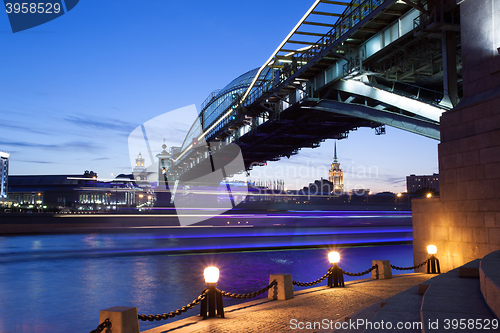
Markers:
point(59, 283)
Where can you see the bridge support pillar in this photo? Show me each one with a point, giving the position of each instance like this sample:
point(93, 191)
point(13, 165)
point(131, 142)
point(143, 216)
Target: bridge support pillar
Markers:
point(123, 319)
point(450, 84)
point(283, 290)
point(464, 222)
point(383, 271)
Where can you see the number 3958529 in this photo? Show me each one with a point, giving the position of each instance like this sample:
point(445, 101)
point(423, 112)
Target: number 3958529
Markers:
point(33, 8)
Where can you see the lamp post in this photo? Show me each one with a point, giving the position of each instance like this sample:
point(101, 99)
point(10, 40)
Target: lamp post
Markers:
point(397, 198)
point(214, 296)
point(39, 203)
point(433, 262)
point(336, 278)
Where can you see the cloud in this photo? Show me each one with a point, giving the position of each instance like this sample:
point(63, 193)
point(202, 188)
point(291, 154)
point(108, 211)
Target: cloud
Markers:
point(102, 124)
point(390, 179)
point(11, 126)
point(38, 162)
point(72, 145)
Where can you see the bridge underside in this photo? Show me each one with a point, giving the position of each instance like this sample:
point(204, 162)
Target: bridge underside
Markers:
point(307, 124)
point(400, 65)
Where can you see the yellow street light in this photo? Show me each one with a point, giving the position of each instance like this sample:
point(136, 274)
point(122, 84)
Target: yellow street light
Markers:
point(212, 306)
point(429, 195)
point(433, 262)
point(335, 276)
point(432, 249)
point(211, 274)
point(334, 257)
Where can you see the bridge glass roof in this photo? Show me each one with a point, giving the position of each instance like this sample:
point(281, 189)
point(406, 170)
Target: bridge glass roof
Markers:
point(221, 102)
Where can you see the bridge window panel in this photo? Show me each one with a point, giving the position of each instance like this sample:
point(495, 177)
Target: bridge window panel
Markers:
point(365, 9)
point(376, 3)
point(338, 31)
point(356, 17)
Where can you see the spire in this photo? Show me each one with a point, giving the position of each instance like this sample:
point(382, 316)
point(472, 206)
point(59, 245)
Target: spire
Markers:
point(335, 160)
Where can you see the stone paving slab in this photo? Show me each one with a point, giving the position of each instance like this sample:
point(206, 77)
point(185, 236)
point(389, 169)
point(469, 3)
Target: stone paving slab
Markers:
point(453, 300)
point(321, 305)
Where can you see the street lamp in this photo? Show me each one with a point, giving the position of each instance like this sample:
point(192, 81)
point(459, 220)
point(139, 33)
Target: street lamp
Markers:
point(213, 296)
point(336, 277)
point(39, 202)
point(433, 262)
point(399, 195)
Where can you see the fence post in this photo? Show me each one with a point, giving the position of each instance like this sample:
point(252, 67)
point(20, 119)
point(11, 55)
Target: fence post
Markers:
point(383, 271)
point(123, 319)
point(283, 290)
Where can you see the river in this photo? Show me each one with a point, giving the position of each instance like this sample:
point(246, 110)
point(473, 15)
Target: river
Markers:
point(59, 283)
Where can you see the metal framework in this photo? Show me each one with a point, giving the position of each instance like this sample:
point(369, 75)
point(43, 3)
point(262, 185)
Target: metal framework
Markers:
point(376, 63)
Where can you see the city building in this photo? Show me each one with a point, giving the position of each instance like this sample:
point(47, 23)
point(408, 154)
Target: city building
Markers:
point(76, 192)
point(424, 182)
point(336, 175)
point(319, 187)
point(140, 171)
point(271, 190)
point(163, 194)
point(4, 174)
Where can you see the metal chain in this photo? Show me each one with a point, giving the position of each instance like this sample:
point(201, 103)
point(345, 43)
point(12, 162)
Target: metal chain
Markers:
point(177, 312)
point(362, 273)
point(408, 268)
point(250, 295)
point(308, 284)
point(102, 326)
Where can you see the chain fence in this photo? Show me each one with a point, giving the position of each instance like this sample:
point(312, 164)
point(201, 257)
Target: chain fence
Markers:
point(362, 273)
point(203, 295)
point(249, 295)
point(413, 267)
point(177, 312)
point(102, 326)
point(308, 284)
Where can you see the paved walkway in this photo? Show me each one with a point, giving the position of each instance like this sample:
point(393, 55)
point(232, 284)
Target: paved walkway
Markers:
point(320, 304)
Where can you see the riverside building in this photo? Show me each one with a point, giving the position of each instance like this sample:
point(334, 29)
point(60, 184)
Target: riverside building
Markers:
point(4, 174)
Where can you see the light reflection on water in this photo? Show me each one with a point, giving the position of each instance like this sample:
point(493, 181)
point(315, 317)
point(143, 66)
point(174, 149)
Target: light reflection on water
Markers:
point(59, 283)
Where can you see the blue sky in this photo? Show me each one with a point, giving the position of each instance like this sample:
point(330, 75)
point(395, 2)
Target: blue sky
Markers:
point(72, 90)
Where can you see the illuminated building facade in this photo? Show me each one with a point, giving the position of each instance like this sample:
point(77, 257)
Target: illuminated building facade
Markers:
point(76, 192)
point(139, 171)
point(4, 174)
point(336, 175)
point(415, 183)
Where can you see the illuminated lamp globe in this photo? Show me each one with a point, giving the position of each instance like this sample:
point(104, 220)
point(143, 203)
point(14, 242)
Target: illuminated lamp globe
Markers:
point(432, 249)
point(334, 257)
point(211, 274)
point(429, 195)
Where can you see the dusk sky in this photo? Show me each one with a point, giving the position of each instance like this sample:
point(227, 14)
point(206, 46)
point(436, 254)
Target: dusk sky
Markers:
point(74, 88)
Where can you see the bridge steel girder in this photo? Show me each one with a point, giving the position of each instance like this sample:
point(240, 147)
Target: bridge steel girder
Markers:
point(410, 124)
point(408, 104)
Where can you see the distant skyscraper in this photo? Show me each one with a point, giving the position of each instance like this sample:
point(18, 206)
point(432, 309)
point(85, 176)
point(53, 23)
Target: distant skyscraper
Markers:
point(336, 175)
point(4, 173)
